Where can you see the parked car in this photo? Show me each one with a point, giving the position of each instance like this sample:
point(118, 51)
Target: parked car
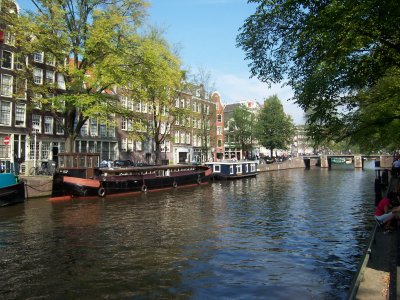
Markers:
point(123, 163)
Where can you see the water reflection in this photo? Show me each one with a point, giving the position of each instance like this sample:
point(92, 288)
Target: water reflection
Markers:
point(287, 234)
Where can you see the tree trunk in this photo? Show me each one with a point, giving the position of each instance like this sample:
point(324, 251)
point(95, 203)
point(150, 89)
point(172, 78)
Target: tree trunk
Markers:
point(158, 153)
point(69, 143)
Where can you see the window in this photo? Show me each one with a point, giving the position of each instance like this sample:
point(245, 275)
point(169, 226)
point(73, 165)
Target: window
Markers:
point(177, 102)
point(111, 129)
point(37, 75)
point(50, 59)
point(238, 168)
point(48, 125)
point(139, 146)
point(20, 109)
point(32, 150)
point(6, 85)
point(38, 57)
point(165, 146)
point(9, 39)
point(219, 143)
point(124, 143)
point(93, 127)
point(61, 81)
point(219, 130)
point(37, 123)
point(37, 100)
point(138, 106)
point(20, 88)
point(60, 126)
point(45, 150)
point(19, 61)
point(6, 60)
point(123, 123)
point(103, 130)
point(49, 76)
point(219, 118)
point(176, 137)
point(188, 138)
point(230, 169)
point(130, 144)
point(5, 113)
point(85, 129)
point(217, 168)
point(182, 138)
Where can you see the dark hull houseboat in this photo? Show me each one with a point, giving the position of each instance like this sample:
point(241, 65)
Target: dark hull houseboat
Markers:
point(79, 175)
point(12, 189)
point(233, 169)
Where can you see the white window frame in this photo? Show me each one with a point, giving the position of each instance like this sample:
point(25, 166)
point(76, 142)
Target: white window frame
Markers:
point(60, 126)
point(38, 57)
point(6, 88)
point(5, 113)
point(20, 114)
point(37, 123)
point(50, 76)
point(38, 75)
point(60, 81)
point(11, 60)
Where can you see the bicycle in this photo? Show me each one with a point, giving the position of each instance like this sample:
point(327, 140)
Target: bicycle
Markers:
point(40, 170)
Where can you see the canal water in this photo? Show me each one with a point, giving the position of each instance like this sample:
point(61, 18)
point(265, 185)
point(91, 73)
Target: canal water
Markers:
point(294, 234)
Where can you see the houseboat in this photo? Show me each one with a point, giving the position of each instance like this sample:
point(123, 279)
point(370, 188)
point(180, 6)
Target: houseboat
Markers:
point(12, 189)
point(233, 169)
point(80, 175)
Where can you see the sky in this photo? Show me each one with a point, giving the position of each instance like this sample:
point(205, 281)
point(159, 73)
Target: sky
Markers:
point(204, 32)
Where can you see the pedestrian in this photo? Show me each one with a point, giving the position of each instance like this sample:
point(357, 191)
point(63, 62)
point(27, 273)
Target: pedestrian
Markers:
point(387, 209)
point(396, 167)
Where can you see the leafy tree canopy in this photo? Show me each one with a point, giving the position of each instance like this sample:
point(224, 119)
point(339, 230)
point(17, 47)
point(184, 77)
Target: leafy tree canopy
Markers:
point(243, 123)
point(90, 42)
point(337, 56)
point(275, 129)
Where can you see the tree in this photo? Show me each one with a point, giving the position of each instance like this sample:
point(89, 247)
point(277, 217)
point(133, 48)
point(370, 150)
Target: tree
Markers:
point(160, 79)
point(333, 54)
point(275, 129)
point(88, 41)
point(242, 132)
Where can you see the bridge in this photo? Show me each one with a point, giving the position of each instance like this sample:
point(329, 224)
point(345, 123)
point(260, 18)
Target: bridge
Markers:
point(325, 161)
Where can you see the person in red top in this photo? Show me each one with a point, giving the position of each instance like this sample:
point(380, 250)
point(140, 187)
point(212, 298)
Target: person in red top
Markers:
point(387, 208)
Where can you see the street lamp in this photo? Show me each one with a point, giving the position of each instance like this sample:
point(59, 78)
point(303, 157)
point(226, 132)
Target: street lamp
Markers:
point(35, 129)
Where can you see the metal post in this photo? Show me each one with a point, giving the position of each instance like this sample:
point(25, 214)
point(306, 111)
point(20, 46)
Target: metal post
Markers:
point(34, 153)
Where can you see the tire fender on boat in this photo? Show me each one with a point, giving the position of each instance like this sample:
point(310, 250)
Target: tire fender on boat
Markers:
point(199, 180)
point(144, 188)
point(101, 192)
point(175, 185)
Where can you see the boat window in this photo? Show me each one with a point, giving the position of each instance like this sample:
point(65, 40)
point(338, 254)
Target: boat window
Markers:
point(61, 162)
point(81, 162)
point(217, 168)
point(247, 168)
point(231, 169)
point(238, 168)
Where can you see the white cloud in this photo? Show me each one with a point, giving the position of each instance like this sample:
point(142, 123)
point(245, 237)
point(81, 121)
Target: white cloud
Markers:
point(233, 89)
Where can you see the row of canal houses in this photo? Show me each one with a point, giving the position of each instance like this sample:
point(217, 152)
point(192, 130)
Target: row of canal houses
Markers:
point(30, 134)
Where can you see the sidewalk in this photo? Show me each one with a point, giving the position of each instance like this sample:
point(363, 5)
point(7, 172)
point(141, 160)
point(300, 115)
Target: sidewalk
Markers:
point(380, 277)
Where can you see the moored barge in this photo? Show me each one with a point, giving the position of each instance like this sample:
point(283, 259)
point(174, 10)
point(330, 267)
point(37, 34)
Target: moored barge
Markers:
point(80, 175)
point(233, 169)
